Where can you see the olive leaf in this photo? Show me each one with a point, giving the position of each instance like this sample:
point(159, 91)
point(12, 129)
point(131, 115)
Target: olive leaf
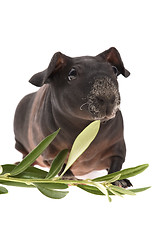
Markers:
point(25, 175)
point(3, 190)
point(90, 189)
point(57, 164)
point(31, 157)
point(126, 173)
point(109, 198)
point(51, 193)
point(1, 169)
point(137, 190)
point(52, 185)
point(15, 183)
point(114, 179)
point(96, 191)
point(110, 189)
point(82, 142)
point(121, 190)
point(29, 173)
point(101, 187)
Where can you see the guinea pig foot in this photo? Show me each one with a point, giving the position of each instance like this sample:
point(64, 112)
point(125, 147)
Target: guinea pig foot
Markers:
point(48, 163)
point(68, 176)
point(124, 183)
point(16, 163)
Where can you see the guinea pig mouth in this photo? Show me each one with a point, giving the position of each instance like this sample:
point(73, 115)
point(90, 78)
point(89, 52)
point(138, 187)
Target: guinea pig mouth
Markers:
point(99, 113)
point(103, 99)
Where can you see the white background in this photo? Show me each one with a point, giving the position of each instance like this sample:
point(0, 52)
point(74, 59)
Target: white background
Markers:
point(30, 33)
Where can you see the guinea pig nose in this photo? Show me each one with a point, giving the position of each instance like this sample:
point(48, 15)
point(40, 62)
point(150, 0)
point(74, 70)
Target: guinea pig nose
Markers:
point(101, 100)
point(104, 100)
point(112, 99)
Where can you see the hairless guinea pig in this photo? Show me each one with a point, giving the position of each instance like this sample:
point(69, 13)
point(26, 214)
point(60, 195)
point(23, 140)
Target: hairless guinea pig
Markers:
point(73, 93)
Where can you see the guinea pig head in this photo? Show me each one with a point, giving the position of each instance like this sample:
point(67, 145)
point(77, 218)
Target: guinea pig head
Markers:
point(84, 87)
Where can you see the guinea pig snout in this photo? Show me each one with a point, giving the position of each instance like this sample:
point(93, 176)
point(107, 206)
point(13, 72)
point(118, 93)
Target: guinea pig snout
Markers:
point(103, 99)
point(106, 106)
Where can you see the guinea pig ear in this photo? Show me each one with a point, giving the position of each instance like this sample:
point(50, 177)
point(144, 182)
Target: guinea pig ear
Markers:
point(55, 64)
point(113, 57)
point(38, 79)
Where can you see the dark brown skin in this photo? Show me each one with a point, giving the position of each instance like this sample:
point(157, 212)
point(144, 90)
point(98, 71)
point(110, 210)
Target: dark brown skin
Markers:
point(73, 93)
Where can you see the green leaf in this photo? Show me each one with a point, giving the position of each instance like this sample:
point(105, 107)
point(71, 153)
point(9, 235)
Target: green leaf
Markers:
point(51, 193)
point(126, 173)
point(15, 184)
point(96, 191)
point(109, 198)
point(57, 164)
point(101, 187)
point(7, 168)
point(1, 169)
point(90, 189)
point(52, 185)
point(29, 173)
point(121, 190)
point(31, 157)
point(82, 142)
point(113, 192)
point(22, 184)
point(117, 177)
point(137, 190)
point(3, 190)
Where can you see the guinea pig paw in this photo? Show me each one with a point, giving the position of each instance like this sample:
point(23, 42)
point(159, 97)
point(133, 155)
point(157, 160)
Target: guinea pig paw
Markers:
point(124, 183)
point(69, 177)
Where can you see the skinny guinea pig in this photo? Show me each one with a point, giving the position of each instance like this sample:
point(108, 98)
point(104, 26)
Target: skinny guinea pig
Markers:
point(74, 92)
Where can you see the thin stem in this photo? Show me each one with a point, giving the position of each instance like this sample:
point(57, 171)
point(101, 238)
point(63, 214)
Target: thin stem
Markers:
point(54, 180)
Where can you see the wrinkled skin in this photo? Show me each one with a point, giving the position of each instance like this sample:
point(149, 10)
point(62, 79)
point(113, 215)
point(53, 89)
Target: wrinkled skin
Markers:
point(74, 92)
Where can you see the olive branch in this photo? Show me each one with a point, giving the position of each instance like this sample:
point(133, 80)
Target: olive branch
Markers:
point(24, 175)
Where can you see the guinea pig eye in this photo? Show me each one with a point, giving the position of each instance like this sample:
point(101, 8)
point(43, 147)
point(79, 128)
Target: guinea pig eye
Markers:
point(72, 74)
point(115, 70)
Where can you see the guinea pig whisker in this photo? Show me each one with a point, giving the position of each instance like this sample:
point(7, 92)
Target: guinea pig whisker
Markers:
point(83, 105)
